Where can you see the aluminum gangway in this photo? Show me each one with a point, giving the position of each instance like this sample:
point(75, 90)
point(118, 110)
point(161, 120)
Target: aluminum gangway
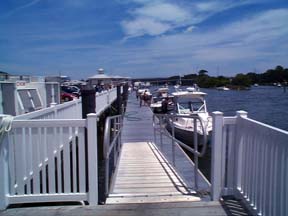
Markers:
point(152, 171)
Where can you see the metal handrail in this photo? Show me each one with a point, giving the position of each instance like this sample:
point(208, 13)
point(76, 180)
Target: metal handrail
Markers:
point(109, 145)
point(190, 149)
point(194, 150)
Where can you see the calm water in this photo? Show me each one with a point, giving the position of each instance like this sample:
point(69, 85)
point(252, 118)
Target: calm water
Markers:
point(264, 103)
point(267, 104)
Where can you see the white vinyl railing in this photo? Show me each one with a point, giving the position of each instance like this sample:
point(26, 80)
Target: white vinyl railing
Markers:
point(104, 99)
point(250, 161)
point(71, 109)
point(45, 157)
point(45, 160)
point(67, 110)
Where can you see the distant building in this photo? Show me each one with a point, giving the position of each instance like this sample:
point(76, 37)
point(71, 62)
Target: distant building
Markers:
point(103, 79)
point(59, 79)
point(3, 76)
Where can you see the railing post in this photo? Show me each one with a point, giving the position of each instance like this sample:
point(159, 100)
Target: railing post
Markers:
point(75, 109)
point(195, 141)
point(53, 104)
point(217, 140)
point(238, 150)
point(92, 159)
point(173, 140)
point(161, 137)
point(106, 144)
point(119, 99)
point(88, 101)
point(125, 95)
point(4, 172)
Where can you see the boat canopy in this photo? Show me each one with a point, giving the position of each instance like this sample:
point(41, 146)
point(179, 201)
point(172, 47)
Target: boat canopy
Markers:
point(162, 89)
point(188, 94)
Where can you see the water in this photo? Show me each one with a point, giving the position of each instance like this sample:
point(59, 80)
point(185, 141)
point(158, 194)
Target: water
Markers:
point(266, 104)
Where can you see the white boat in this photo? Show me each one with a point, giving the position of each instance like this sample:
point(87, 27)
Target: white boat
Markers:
point(222, 88)
point(161, 99)
point(142, 90)
point(190, 103)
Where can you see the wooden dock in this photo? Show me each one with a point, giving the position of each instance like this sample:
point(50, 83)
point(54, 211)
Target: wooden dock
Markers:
point(143, 209)
point(145, 173)
point(146, 182)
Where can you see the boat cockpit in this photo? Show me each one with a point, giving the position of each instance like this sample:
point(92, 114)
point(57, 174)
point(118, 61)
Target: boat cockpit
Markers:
point(193, 105)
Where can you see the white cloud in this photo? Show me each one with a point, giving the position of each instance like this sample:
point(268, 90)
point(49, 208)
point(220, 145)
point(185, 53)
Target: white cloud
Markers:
point(258, 41)
point(163, 12)
point(207, 6)
point(22, 7)
point(154, 19)
point(190, 29)
point(169, 16)
point(141, 26)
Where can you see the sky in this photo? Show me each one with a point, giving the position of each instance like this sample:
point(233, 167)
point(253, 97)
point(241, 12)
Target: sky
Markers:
point(142, 38)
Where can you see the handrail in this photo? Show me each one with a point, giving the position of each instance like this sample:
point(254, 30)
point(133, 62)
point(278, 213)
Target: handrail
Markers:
point(194, 150)
point(190, 149)
point(111, 146)
point(44, 111)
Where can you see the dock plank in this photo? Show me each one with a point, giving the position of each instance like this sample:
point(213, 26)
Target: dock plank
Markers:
point(181, 207)
point(144, 172)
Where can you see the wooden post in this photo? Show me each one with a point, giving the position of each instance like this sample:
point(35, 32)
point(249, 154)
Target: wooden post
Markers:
point(88, 101)
point(4, 172)
point(92, 159)
point(216, 172)
point(125, 95)
point(119, 100)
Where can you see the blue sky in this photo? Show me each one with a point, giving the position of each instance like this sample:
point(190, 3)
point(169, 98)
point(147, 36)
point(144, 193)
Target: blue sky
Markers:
point(142, 38)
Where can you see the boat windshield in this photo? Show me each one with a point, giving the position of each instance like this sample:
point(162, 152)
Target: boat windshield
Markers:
point(191, 106)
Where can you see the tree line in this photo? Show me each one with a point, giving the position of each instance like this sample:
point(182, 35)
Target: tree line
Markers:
point(277, 75)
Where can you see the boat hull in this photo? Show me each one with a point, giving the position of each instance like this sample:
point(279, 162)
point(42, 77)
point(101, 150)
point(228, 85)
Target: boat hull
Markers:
point(187, 136)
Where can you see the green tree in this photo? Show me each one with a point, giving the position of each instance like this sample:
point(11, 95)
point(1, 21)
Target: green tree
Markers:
point(203, 72)
point(241, 80)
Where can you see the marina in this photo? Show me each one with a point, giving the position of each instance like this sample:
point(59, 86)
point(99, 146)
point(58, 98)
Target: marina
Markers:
point(143, 107)
point(47, 156)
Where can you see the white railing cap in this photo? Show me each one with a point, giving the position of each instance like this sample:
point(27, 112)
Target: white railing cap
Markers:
point(217, 113)
point(92, 115)
point(242, 113)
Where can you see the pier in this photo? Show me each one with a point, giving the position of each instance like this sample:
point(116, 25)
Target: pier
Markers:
point(53, 156)
point(144, 173)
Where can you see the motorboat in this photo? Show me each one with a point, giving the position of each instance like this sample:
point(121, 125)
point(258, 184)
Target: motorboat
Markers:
point(176, 87)
point(190, 106)
point(222, 88)
point(162, 101)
